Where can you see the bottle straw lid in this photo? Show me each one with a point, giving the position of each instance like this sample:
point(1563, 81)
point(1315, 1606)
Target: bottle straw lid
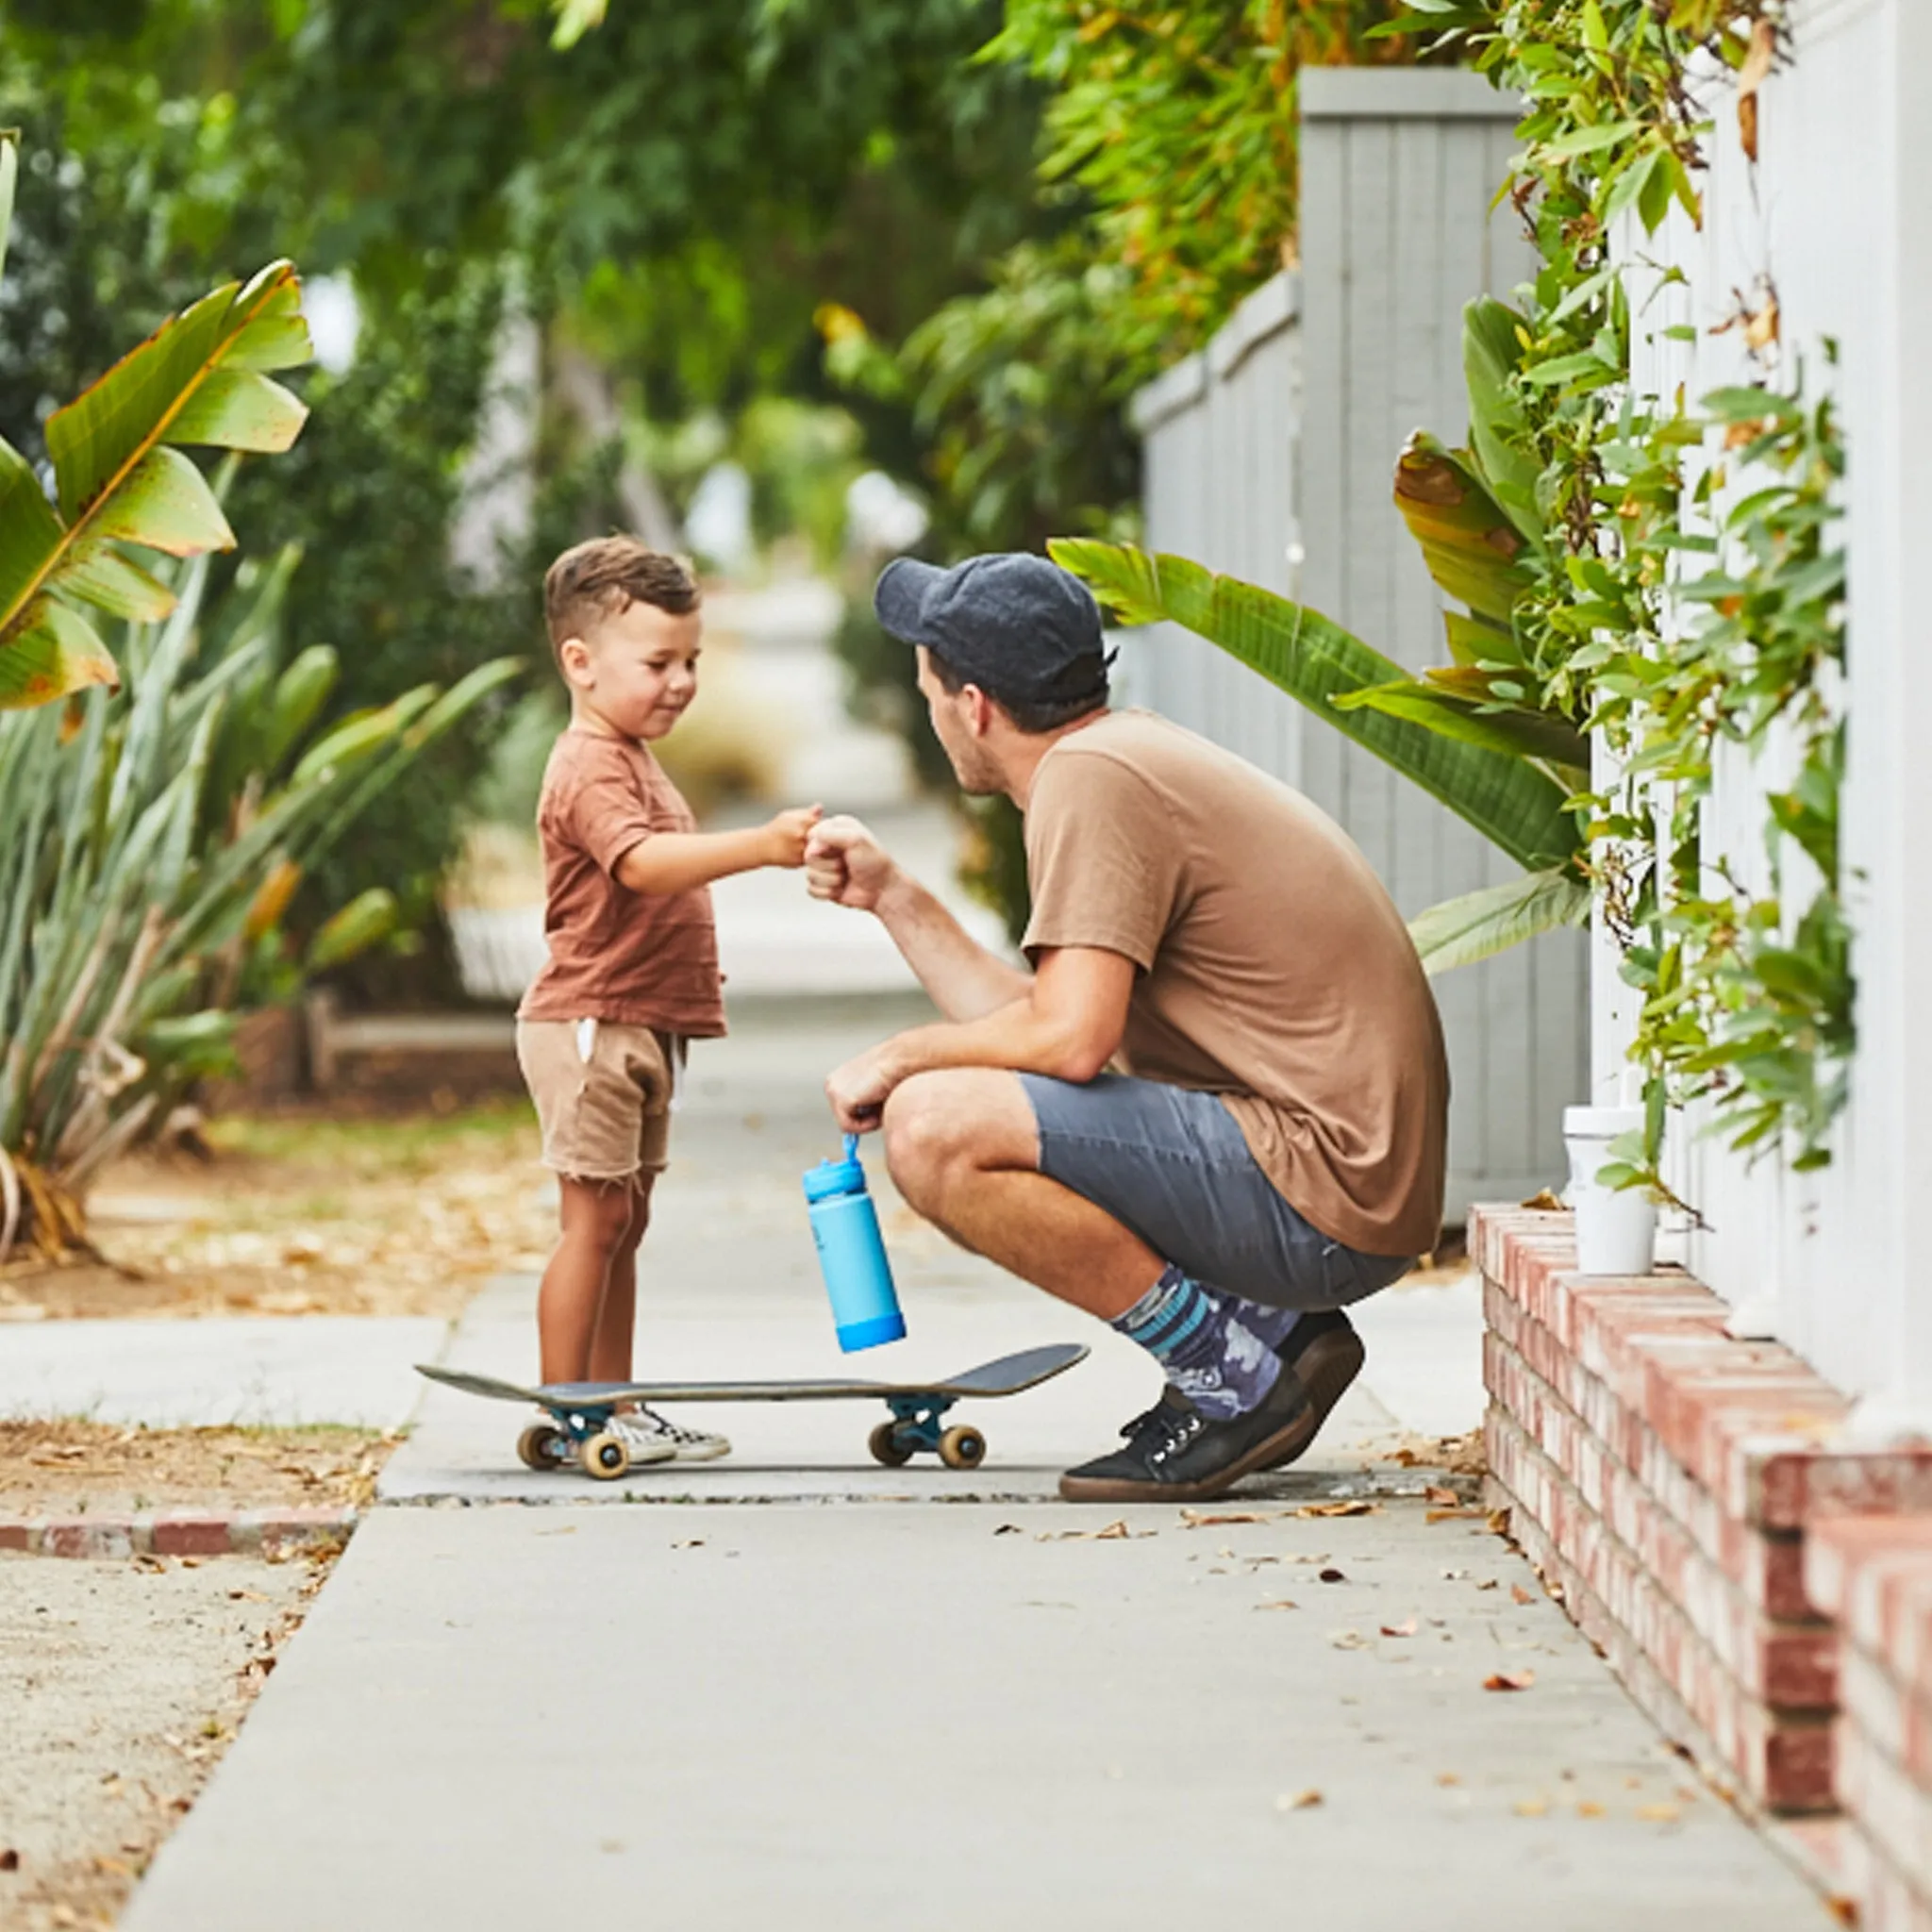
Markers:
point(845, 1175)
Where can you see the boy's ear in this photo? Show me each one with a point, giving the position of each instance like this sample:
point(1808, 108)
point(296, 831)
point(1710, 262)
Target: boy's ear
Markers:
point(573, 660)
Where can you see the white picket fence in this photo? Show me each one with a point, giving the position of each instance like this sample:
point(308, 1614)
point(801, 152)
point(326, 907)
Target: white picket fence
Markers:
point(1833, 219)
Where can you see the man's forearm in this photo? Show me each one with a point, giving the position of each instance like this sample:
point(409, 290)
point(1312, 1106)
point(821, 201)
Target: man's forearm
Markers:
point(964, 980)
point(1017, 1037)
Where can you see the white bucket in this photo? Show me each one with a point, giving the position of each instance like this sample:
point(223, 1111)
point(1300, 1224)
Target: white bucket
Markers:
point(1616, 1228)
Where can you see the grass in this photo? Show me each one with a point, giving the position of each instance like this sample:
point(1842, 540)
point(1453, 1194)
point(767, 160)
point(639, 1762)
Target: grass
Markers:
point(376, 1146)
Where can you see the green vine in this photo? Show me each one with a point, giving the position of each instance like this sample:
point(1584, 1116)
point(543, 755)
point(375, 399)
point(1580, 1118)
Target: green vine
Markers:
point(1747, 999)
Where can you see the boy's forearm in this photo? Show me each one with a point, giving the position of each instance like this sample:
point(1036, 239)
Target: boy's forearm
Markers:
point(681, 861)
point(964, 980)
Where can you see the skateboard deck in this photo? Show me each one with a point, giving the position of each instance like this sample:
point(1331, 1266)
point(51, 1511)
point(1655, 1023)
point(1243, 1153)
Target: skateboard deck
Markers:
point(581, 1411)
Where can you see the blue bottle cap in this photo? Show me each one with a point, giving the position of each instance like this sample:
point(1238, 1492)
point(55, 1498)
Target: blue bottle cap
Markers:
point(832, 1177)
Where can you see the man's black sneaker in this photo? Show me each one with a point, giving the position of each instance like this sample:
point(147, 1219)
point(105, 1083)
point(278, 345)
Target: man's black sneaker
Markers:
point(1322, 1352)
point(1176, 1454)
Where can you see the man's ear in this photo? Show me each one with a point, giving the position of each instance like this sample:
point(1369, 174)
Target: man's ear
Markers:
point(980, 714)
point(574, 656)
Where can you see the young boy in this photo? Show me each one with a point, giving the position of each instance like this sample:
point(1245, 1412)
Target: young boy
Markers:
point(633, 969)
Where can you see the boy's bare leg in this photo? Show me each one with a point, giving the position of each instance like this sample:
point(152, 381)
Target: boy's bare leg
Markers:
point(964, 1150)
point(610, 1343)
point(596, 1217)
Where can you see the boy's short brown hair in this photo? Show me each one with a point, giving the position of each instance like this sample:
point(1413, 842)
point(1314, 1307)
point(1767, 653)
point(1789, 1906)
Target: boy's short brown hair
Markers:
point(605, 577)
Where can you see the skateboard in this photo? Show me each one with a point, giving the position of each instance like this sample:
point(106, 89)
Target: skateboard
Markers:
point(579, 1428)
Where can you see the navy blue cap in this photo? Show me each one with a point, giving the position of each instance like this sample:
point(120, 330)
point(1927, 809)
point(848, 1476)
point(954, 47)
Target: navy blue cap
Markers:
point(1011, 623)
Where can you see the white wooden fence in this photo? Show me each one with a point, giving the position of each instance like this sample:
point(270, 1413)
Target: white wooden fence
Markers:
point(1271, 455)
point(1833, 217)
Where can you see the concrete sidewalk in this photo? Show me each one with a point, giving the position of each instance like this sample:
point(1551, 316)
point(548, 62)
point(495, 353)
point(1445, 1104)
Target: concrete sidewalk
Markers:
point(265, 1371)
point(798, 1688)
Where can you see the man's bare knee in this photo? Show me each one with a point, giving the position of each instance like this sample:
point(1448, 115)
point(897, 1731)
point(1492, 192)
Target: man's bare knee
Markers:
point(924, 1133)
point(940, 1126)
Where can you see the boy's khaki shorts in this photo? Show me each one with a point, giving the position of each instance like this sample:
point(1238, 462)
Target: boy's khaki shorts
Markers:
point(603, 1094)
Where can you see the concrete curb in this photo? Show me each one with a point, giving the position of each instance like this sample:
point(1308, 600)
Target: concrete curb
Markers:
point(175, 1532)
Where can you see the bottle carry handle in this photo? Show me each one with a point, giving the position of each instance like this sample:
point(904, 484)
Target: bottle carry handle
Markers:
point(851, 1146)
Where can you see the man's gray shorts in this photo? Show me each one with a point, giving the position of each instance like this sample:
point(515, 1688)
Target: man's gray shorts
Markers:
point(1172, 1165)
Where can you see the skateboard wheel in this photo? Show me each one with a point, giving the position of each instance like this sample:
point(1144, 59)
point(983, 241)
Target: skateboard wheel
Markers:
point(885, 1446)
point(541, 1446)
point(604, 1456)
point(962, 1447)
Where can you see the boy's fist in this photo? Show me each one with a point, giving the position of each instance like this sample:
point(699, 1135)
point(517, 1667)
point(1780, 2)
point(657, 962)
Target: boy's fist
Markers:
point(787, 833)
point(844, 863)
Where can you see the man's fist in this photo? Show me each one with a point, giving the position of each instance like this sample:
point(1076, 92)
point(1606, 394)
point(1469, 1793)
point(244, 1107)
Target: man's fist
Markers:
point(846, 864)
point(785, 835)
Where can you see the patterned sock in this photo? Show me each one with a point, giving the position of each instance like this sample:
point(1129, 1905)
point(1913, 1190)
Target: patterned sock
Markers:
point(1273, 1325)
point(1213, 1358)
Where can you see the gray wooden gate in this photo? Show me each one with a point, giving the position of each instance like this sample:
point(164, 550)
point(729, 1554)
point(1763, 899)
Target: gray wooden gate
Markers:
point(1270, 456)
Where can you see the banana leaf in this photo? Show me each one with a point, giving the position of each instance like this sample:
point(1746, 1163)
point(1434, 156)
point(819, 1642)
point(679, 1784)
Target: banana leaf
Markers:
point(1461, 932)
point(1508, 799)
point(1467, 541)
point(1470, 717)
point(1492, 352)
point(121, 479)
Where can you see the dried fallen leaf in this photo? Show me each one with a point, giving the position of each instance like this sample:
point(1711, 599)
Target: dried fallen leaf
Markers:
point(1298, 1801)
point(10, 1859)
point(1349, 1640)
point(246, 1596)
point(1509, 1680)
point(1587, 1808)
point(1196, 1519)
point(691, 1543)
point(1521, 1595)
point(1406, 1628)
point(1333, 1576)
point(1007, 1530)
point(1543, 1202)
point(1448, 1777)
point(1438, 1492)
point(1751, 77)
point(1353, 1505)
point(1659, 1814)
point(1281, 1603)
point(1449, 1515)
point(1532, 1807)
point(1845, 1910)
point(1499, 1522)
point(1114, 1533)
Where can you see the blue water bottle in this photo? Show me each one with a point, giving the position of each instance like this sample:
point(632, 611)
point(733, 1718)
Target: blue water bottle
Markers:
point(852, 1253)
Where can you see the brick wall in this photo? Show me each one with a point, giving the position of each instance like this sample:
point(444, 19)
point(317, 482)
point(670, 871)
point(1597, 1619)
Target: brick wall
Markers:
point(1693, 1500)
point(1872, 1576)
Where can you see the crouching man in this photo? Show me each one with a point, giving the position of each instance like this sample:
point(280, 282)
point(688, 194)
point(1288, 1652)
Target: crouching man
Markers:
point(1214, 1113)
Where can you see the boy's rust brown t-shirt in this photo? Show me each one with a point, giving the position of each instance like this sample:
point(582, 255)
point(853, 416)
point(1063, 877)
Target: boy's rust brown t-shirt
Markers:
point(1274, 970)
point(634, 959)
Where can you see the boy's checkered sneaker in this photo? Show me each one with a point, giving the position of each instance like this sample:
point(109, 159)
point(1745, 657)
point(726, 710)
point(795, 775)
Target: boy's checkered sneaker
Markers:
point(645, 1443)
point(685, 1445)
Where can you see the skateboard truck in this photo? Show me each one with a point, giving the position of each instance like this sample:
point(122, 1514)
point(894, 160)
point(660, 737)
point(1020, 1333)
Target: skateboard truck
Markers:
point(915, 1425)
point(578, 1432)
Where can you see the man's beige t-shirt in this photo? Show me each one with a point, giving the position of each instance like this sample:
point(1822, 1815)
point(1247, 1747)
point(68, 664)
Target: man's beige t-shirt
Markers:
point(633, 958)
point(1274, 970)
